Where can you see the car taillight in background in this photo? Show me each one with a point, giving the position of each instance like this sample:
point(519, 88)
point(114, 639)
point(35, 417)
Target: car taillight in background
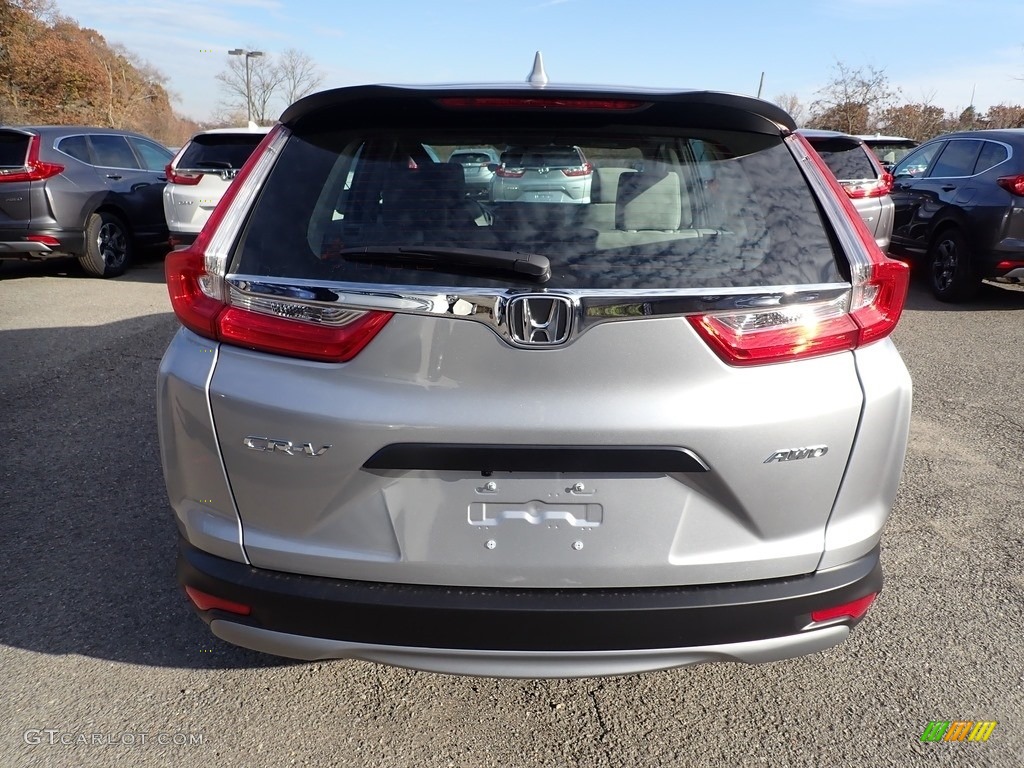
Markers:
point(878, 188)
point(582, 170)
point(1012, 184)
point(510, 173)
point(34, 169)
point(180, 177)
point(202, 302)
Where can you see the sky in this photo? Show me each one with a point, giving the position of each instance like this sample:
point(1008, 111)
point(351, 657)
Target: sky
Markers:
point(938, 51)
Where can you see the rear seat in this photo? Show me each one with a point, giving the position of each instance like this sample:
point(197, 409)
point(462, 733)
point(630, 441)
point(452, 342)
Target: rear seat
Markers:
point(650, 207)
point(600, 214)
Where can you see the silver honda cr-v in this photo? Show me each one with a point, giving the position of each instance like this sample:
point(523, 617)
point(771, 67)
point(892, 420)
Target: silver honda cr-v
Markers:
point(533, 439)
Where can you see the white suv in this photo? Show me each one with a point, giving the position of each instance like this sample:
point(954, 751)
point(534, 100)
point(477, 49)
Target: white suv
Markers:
point(199, 174)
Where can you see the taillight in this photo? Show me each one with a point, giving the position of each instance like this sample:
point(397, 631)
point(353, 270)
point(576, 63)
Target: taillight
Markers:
point(879, 188)
point(202, 302)
point(853, 610)
point(510, 173)
point(869, 312)
point(1012, 184)
point(583, 170)
point(34, 169)
point(204, 601)
point(49, 240)
point(179, 177)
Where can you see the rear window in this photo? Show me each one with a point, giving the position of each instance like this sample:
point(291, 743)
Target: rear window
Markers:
point(219, 150)
point(13, 149)
point(469, 158)
point(847, 160)
point(660, 209)
point(891, 152)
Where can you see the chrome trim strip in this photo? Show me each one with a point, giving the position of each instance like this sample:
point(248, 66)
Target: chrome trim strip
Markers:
point(487, 305)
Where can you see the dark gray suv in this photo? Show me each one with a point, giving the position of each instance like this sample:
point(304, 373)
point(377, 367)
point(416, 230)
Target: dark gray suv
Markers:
point(92, 193)
point(520, 438)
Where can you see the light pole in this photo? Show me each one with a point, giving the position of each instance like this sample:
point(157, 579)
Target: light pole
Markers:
point(248, 88)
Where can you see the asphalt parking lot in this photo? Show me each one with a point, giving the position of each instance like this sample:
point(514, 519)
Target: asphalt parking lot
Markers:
point(97, 645)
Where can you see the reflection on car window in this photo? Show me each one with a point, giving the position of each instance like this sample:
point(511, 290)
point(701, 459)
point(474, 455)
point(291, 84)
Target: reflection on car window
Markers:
point(992, 154)
point(957, 159)
point(154, 157)
point(76, 146)
point(650, 211)
point(916, 164)
point(112, 151)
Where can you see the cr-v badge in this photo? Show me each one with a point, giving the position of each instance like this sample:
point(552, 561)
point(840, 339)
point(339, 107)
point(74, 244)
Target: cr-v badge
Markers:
point(283, 446)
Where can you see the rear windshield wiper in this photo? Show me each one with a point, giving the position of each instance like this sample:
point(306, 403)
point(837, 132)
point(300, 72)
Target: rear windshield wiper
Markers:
point(528, 265)
point(214, 164)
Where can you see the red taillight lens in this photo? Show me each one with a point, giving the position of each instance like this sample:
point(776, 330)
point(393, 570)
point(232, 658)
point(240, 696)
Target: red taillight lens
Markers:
point(854, 609)
point(177, 177)
point(583, 170)
point(878, 188)
point(199, 300)
point(49, 240)
point(206, 602)
point(1012, 184)
point(510, 173)
point(531, 102)
point(34, 169)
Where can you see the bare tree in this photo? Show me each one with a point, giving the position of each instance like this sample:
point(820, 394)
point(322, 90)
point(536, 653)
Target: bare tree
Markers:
point(299, 73)
point(264, 82)
point(852, 99)
point(792, 104)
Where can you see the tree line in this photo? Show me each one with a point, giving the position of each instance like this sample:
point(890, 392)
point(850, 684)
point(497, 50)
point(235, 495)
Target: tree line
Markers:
point(55, 72)
point(861, 100)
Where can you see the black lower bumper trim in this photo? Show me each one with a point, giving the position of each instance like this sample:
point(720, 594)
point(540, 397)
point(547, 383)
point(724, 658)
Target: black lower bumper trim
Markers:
point(524, 619)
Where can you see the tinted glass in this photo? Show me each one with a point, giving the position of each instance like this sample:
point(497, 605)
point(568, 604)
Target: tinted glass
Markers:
point(13, 149)
point(219, 150)
point(541, 157)
point(991, 154)
point(468, 158)
point(112, 151)
point(698, 208)
point(154, 157)
point(957, 159)
point(916, 164)
point(891, 152)
point(848, 161)
point(76, 146)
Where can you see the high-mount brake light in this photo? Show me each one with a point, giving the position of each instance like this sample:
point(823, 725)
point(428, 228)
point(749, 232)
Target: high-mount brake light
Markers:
point(34, 169)
point(202, 303)
point(869, 312)
point(537, 102)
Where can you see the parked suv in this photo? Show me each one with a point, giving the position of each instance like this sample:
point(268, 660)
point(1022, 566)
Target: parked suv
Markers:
point(542, 173)
point(525, 440)
point(959, 204)
point(92, 193)
point(866, 182)
point(199, 174)
point(478, 165)
point(888, 149)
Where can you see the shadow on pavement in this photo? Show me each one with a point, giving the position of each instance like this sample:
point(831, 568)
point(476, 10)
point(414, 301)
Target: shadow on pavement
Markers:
point(88, 540)
point(147, 267)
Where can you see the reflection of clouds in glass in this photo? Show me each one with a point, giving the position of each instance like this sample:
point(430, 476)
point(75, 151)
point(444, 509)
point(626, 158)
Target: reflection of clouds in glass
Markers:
point(746, 221)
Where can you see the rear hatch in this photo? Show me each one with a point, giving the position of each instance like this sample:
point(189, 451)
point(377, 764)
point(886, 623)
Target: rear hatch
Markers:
point(861, 176)
point(16, 179)
point(420, 388)
point(201, 172)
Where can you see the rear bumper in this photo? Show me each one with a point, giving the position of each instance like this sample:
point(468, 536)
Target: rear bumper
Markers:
point(13, 244)
point(529, 632)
